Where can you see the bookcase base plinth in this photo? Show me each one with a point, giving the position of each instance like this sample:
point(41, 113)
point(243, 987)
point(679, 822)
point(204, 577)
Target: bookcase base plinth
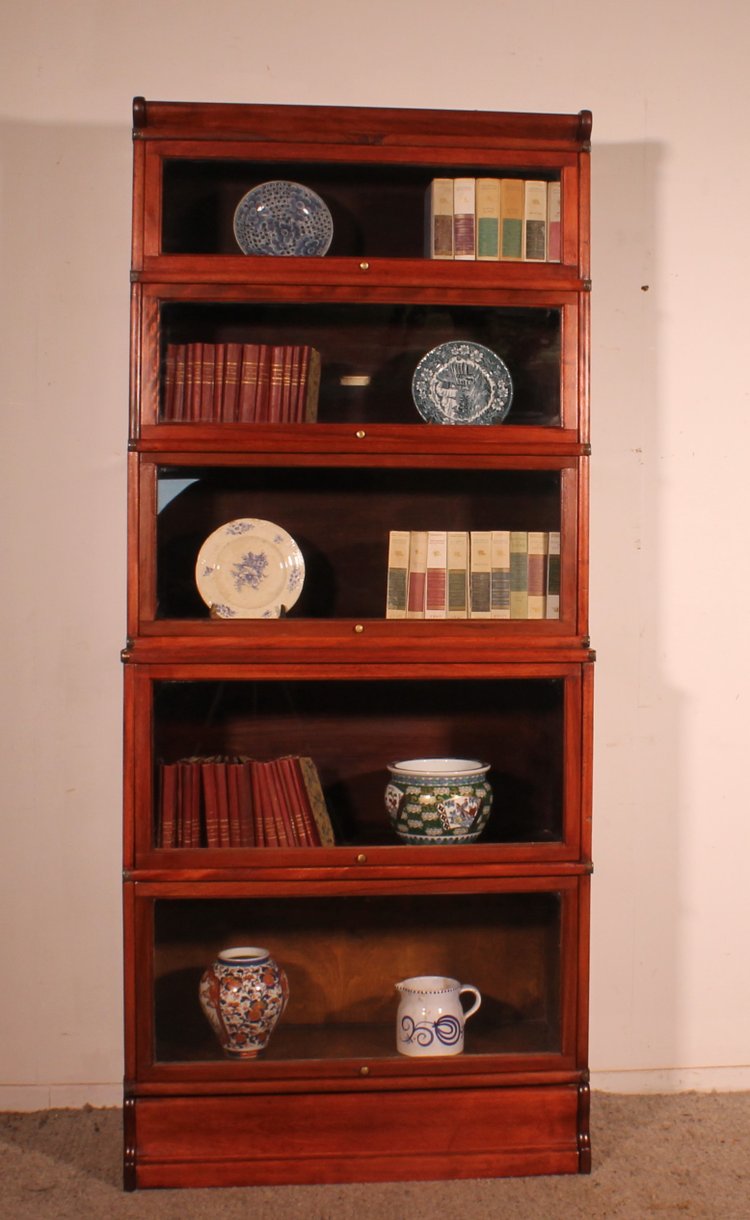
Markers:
point(368, 1137)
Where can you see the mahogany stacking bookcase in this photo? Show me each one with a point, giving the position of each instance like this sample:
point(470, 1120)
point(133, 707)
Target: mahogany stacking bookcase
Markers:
point(344, 459)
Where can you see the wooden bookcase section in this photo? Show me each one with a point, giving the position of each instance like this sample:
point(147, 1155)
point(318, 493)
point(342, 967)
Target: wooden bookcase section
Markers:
point(335, 679)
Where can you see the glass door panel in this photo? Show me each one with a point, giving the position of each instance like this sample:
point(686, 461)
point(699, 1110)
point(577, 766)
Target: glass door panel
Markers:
point(226, 363)
point(342, 519)
point(343, 957)
point(376, 210)
point(352, 730)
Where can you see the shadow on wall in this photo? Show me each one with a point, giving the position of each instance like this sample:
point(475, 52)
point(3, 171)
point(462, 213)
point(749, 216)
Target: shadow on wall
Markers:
point(637, 954)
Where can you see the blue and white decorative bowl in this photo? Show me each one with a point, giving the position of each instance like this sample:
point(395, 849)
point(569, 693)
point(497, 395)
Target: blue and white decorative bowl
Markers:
point(283, 218)
point(438, 800)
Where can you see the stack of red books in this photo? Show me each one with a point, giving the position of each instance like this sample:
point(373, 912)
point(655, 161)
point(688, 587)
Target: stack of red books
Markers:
point(218, 802)
point(246, 383)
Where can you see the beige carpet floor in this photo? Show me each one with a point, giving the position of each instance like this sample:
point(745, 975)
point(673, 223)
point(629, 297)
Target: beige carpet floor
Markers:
point(682, 1155)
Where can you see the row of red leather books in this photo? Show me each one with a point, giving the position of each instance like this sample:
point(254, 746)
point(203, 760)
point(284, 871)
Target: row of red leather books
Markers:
point(219, 802)
point(247, 383)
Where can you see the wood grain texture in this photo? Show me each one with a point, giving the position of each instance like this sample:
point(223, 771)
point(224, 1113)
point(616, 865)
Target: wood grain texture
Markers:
point(332, 1100)
point(375, 1137)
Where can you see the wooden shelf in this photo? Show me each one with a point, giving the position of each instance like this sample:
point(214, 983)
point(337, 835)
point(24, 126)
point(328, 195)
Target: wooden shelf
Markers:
point(194, 270)
point(359, 1043)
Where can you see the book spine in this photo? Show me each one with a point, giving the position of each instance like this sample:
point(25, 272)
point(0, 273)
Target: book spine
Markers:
point(554, 235)
point(305, 827)
point(191, 831)
point(519, 574)
point(488, 218)
point(316, 797)
point(312, 386)
point(296, 824)
point(263, 384)
point(435, 579)
point(169, 381)
point(242, 802)
point(416, 580)
point(187, 359)
point(208, 366)
point(165, 833)
point(439, 219)
point(193, 381)
point(270, 405)
point(210, 805)
point(257, 791)
point(290, 387)
point(276, 804)
point(310, 832)
point(271, 411)
point(511, 218)
point(288, 835)
point(231, 773)
point(220, 357)
point(464, 218)
point(457, 563)
point(479, 583)
point(230, 390)
point(553, 575)
point(537, 573)
point(268, 814)
point(301, 368)
point(222, 798)
point(180, 373)
point(247, 826)
point(248, 388)
point(535, 221)
point(500, 574)
point(288, 373)
point(182, 822)
point(179, 812)
point(398, 571)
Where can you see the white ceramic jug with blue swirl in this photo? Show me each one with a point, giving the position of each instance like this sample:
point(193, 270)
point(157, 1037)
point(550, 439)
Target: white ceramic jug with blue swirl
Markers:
point(431, 1017)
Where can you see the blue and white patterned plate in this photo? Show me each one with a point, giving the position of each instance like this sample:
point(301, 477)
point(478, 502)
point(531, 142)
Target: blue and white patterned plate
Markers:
point(283, 218)
point(249, 568)
point(462, 383)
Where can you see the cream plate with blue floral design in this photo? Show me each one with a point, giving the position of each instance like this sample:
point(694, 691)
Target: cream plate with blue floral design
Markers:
point(249, 568)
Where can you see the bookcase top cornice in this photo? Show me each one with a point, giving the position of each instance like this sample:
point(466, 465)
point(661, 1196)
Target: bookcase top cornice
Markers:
point(388, 127)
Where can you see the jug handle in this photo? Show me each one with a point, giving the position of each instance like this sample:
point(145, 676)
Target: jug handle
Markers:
point(469, 1012)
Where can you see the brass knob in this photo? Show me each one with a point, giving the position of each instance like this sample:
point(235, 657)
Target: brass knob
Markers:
point(364, 266)
point(364, 1071)
point(361, 858)
point(360, 434)
point(358, 629)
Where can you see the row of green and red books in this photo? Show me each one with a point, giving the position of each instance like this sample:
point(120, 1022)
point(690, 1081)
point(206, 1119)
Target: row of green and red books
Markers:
point(220, 802)
point(248, 383)
point(497, 574)
point(493, 218)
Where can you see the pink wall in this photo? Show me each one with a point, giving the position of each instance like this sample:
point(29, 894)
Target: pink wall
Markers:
point(669, 91)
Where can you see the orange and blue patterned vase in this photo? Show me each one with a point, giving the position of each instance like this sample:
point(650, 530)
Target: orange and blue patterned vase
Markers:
point(244, 994)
